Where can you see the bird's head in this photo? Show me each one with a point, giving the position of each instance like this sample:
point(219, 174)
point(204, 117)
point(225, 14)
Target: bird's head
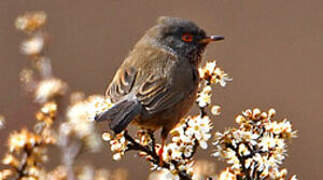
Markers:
point(181, 36)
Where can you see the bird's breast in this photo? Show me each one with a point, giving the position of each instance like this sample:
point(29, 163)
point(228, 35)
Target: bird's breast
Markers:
point(185, 75)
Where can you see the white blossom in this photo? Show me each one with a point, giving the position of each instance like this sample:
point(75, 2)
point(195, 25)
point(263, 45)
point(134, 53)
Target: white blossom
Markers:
point(259, 138)
point(33, 46)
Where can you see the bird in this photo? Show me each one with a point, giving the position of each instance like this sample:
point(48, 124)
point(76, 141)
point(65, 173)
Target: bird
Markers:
point(157, 83)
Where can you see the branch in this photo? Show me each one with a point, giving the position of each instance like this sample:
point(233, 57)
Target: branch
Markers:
point(155, 158)
point(241, 160)
point(21, 170)
point(136, 146)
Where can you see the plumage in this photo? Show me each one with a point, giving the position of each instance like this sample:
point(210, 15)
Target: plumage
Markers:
point(156, 84)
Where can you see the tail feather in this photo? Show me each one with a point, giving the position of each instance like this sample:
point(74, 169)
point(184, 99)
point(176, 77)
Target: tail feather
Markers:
point(121, 114)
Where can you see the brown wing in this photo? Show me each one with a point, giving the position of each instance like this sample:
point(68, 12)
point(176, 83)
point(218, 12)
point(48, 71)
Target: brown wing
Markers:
point(152, 88)
point(122, 83)
point(156, 94)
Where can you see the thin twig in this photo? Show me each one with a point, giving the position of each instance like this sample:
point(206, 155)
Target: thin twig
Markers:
point(241, 160)
point(196, 145)
point(136, 146)
point(202, 111)
point(22, 168)
point(153, 141)
point(151, 151)
point(71, 150)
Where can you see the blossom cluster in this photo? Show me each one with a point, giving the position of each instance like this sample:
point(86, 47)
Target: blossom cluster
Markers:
point(50, 88)
point(27, 149)
point(193, 132)
point(210, 74)
point(213, 74)
point(257, 148)
point(79, 115)
point(46, 87)
point(31, 21)
point(119, 144)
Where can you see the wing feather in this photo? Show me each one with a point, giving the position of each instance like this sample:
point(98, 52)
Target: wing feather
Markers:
point(154, 91)
point(122, 84)
point(156, 95)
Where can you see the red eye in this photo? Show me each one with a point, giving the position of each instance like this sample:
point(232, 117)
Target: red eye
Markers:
point(187, 37)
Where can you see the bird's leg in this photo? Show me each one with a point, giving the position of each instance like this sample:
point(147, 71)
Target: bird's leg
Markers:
point(164, 135)
point(160, 153)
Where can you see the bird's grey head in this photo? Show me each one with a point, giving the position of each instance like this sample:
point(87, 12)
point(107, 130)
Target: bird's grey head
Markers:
point(181, 36)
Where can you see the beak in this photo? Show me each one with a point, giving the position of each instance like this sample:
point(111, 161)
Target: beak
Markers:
point(212, 38)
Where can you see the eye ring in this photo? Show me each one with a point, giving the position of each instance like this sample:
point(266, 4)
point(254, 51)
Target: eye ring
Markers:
point(187, 37)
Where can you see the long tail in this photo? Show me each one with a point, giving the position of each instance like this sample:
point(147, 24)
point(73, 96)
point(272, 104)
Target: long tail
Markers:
point(121, 114)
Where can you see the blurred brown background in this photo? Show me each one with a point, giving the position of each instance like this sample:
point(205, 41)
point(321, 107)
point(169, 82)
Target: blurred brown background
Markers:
point(273, 51)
